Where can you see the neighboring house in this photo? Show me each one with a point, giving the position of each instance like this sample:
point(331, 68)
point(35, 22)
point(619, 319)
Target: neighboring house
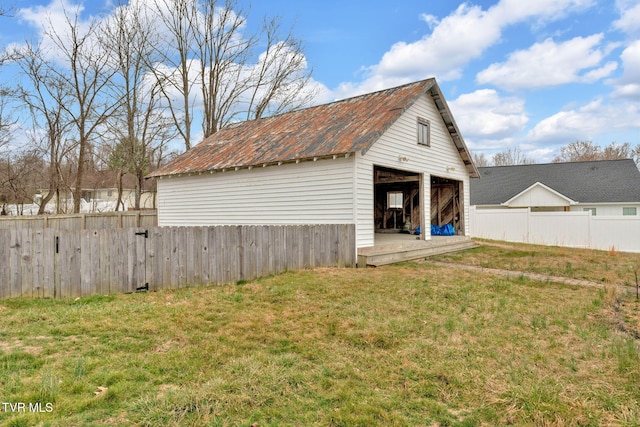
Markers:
point(100, 191)
point(379, 161)
point(604, 188)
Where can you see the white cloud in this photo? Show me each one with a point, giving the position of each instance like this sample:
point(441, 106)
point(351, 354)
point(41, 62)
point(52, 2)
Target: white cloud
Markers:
point(600, 73)
point(629, 21)
point(540, 155)
point(52, 16)
point(628, 86)
point(455, 40)
point(588, 122)
point(431, 20)
point(550, 64)
point(484, 113)
point(513, 11)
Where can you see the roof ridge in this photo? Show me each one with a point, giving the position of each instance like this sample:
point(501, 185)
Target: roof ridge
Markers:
point(558, 163)
point(337, 101)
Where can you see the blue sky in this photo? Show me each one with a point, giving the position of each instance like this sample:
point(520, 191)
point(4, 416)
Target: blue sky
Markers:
point(534, 74)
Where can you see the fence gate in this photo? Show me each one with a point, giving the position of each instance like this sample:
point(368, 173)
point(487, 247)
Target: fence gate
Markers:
point(90, 262)
point(138, 265)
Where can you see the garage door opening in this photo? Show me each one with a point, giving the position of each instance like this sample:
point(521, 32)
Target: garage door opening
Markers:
point(446, 205)
point(397, 203)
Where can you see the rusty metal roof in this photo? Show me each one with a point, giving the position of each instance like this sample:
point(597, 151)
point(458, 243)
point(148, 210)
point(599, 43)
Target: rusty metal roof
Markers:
point(338, 128)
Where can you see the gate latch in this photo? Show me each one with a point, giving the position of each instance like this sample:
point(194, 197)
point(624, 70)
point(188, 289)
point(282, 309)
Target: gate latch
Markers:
point(144, 233)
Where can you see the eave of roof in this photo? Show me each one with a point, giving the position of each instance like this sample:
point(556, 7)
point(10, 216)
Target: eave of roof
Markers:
point(337, 129)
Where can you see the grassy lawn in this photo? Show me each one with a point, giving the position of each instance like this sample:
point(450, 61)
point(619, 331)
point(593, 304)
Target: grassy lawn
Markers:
point(411, 344)
point(609, 267)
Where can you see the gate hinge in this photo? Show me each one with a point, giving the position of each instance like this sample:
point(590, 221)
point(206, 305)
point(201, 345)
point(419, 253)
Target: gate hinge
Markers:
point(144, 288)
point(144, 233)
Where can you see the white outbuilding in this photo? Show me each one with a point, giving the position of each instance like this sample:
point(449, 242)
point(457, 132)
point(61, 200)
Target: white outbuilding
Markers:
point(384, 161)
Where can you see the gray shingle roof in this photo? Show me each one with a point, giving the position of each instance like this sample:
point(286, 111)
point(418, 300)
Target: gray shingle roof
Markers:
point(604, 181)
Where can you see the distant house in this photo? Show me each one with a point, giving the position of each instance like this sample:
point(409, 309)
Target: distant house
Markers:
point(382, 161)
point(103, 186)
point(604, 188)
point(100, 192)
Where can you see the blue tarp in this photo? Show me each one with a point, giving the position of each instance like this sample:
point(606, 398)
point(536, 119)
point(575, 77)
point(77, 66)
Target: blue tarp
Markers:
point(445, 230)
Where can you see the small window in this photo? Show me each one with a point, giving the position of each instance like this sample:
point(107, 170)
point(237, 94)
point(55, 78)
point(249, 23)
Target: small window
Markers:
point(394, 200)
point(109, 193)
point(629, 211)
point(424, 137)
point(592, 210)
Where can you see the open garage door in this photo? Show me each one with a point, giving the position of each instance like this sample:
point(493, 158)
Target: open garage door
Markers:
point(447, 205)
point(397, 200)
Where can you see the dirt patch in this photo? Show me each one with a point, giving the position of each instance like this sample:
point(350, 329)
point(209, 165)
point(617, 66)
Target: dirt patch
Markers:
point(8, 347)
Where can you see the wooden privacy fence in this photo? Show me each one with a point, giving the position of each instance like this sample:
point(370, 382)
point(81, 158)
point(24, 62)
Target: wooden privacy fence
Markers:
point(65, 263)
point(84, 221)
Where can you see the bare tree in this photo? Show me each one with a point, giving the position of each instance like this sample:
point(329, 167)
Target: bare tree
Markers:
point(6, 119)
point(280, 81)
point(19, 176)
point(578, 151)
point(6, 94)
point(480, 160)
point(222, 52)
point(173, 73)
point(45, 94)
point(139, 125)
point(85, 70)
point(209, 48)
point(635, 153)
point(582, 151)
point(5, 10)
point(512, 156)
point(615, 151)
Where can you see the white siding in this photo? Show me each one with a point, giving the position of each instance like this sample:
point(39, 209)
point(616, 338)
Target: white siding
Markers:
point(400, 140)
point(538, 196)
point(318, 192)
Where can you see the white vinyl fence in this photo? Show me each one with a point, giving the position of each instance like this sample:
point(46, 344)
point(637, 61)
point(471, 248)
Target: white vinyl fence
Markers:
point(572, 229)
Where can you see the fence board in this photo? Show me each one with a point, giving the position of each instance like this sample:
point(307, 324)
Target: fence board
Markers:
point(14, 264)
point(5, 236)
point(247, 236)
point(232, 255)
point(204, 244)
point(105, 254)
point(123, 265)
point(167, 252)
point(215, 256)
point(85, 263)
point(48, 260)
point(37, 263)
point(154, 251)
point(26, 266)
point(174, 258)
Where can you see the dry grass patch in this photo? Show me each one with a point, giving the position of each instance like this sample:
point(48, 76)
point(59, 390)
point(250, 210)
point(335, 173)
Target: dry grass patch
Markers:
point(609, 267)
